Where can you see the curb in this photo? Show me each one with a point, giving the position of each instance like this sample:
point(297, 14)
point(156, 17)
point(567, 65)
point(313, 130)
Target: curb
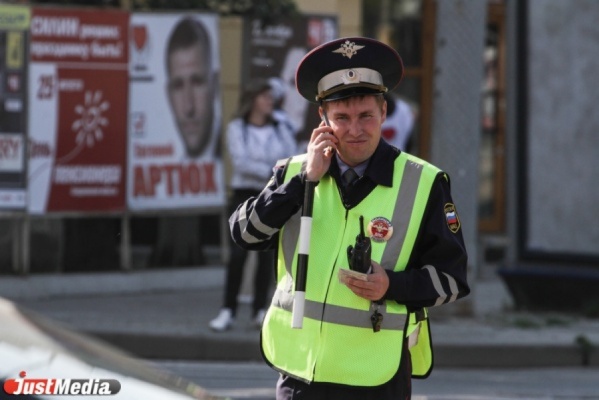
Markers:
point(188, 348)
point(216, 348)
point(513, 356)
point(107, 283)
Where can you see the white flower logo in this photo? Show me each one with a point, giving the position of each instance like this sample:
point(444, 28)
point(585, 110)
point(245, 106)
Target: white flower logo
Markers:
point(90, 122)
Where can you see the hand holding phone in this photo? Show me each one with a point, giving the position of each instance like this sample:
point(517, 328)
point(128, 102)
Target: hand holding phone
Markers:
point(325, 119)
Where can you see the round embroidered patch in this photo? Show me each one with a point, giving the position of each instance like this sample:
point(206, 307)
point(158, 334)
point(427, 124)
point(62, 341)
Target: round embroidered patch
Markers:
point(380, 229)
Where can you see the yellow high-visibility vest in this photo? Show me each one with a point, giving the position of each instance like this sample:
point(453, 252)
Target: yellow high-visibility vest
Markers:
point(337, 343)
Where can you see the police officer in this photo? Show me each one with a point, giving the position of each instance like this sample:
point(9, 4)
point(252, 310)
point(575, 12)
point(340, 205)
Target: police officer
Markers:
point(364, 336)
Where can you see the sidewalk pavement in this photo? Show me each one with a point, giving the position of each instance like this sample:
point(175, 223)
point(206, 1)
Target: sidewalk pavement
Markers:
point(164, 314)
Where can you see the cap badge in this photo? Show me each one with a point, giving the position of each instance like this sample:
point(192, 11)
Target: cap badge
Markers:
point(348, 49)
point(350, 76)
point(380, 229)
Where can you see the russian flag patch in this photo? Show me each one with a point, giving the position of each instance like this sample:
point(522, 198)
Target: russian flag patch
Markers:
point(451, 216)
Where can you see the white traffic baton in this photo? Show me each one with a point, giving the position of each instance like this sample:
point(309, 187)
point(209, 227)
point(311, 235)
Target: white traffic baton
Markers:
point(299, 299)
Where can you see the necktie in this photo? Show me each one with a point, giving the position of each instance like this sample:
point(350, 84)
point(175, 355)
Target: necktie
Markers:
point(349, 177)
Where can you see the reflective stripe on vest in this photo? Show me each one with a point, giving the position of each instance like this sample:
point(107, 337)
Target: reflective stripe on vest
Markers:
point(339, 315)
point(337, 343)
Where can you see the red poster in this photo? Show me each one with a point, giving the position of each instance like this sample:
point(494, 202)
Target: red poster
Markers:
point(78, 110)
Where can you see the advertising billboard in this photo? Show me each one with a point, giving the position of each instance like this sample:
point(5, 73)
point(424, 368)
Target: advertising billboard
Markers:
point(78, 91)
point(174, 113)
point(274, 49)
point(14, 36)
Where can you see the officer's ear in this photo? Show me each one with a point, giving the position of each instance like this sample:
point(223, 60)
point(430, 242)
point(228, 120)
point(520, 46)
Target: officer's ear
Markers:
point(384, 111)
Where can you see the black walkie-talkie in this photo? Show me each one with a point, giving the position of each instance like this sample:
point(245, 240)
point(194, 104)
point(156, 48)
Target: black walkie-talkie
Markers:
point(358, 256)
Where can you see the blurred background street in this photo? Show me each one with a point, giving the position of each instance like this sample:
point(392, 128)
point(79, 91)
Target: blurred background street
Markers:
point(113, 220)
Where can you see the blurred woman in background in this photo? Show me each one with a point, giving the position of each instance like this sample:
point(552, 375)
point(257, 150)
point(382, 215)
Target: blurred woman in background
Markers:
point(255, 141)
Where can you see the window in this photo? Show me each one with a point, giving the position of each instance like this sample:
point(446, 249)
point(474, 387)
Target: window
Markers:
point(408, 26)
point(492, 152)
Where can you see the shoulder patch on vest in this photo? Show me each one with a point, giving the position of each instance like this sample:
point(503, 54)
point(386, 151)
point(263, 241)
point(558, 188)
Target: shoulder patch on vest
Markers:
point(451, 216)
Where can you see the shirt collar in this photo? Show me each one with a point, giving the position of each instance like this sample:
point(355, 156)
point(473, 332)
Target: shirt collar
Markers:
point(378, 168)
point(359, 169)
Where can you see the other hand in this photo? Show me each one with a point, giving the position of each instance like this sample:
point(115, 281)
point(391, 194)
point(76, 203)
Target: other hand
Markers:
point(374, 288)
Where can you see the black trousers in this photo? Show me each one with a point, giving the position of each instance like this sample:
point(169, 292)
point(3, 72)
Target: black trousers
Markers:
point(264, 268)
point(398, 388)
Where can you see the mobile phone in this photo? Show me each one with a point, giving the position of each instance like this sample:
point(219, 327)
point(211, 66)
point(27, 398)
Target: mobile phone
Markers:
point(325, 118)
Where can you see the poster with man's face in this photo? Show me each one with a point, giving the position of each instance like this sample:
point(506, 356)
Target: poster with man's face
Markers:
point(174, 112)
point(274, 49)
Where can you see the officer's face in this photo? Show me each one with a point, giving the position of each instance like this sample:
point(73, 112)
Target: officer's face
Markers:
point(356, 122)
point(190, 95)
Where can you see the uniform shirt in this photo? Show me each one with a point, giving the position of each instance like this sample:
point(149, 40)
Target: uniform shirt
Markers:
point(437, 248)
